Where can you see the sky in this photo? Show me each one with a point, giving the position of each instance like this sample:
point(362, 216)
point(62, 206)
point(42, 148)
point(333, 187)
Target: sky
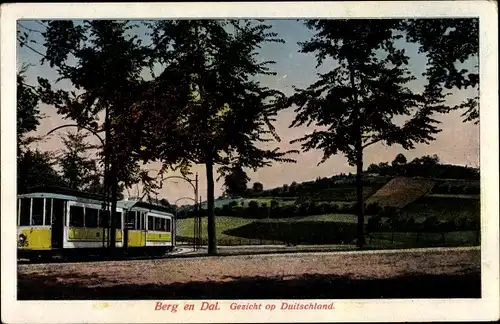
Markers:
point(458, 143)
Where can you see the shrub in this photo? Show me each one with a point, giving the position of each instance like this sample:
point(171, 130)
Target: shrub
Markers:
point(313, 209)
point(322, 209)
point(227, 210)
point(333, 208)
point(252, 204)
point(373, 209)
point(431, 223)
point(374, 224)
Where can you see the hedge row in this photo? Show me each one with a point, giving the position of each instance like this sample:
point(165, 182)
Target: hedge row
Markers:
point(430, 224)
point(254, 211)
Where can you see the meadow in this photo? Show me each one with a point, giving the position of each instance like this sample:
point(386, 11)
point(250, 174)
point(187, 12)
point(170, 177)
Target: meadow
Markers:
point(421, 218)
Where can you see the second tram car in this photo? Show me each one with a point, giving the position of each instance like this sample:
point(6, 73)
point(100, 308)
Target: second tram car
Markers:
point(53, 221)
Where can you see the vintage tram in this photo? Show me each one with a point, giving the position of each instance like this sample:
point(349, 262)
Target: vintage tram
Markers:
point(69, 223)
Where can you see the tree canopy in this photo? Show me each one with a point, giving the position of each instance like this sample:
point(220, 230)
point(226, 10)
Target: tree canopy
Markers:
point(206, 106)
point(449, 43)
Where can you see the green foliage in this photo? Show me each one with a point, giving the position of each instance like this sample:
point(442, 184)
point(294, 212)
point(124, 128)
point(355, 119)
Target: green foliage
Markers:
point(400, 159)
point(77, 168)
point(103, 64)
point(206, 107)
point(257, 188)
point(28, 112)
point(36, 169)
point(358, 99)
point(448, 42)
point(235, 182)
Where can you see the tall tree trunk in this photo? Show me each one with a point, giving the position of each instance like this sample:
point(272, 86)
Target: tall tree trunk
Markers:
point(359, 160)
point(114, 198)
point(212, 240)
point(359, 196)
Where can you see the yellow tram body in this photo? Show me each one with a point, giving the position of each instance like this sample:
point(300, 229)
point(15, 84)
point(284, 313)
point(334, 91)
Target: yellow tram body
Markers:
point(37, 237)
point(65, 220)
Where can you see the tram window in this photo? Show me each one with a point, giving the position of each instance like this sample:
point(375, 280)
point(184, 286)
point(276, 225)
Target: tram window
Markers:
point(91, 217)
point(24, 218)
point(58, 211)
point(150, 223)
point(48, 212)
point(37, 211)
point(103, 218)
point(162, 224)
point(131, 218)
point(76, 216)
point(157, 224)
point(142, 220)
point(168, 226)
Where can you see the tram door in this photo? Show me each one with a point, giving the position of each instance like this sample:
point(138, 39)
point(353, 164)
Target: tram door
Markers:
point(58, 213)
point(129, 225)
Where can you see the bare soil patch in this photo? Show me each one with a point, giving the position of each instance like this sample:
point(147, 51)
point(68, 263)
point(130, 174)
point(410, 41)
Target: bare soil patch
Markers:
point(401, 191)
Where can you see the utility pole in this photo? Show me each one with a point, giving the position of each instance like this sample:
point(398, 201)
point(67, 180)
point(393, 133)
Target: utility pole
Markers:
point(199, 225)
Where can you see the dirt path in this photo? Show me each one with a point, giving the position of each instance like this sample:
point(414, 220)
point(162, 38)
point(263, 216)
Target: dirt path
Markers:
point(283, 270)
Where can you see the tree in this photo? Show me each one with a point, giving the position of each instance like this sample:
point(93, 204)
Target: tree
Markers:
point(257, 188)
point(28, 112)
point(78, 170)
point(426, 160)
point(36, 169)
point(104, 63)
point(446, 43)
point(356, 101)
point(208, 108)
point(400, 159)
point(236, 182)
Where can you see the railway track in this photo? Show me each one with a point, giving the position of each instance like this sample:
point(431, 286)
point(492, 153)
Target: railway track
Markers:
point(189, 252)
point(96, 258)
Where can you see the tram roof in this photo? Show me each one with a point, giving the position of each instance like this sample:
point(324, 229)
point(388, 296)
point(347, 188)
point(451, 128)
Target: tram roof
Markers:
point(68, 193)
point(127, 204)
point(63, 192)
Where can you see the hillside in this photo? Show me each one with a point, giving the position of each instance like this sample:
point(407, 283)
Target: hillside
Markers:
point(401, 191)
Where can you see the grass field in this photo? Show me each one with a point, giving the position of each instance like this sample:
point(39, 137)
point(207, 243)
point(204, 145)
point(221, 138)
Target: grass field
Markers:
point(413, 240)
point(318, 229)
point(185, 227)
point(443, 208)
point(410, 195)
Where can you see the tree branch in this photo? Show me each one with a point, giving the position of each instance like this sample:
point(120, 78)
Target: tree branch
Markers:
point(371, 142)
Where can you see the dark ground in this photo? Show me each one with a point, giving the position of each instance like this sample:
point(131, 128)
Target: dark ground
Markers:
point(437, 274)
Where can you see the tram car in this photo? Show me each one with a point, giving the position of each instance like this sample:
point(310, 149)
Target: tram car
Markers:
point(58, 221)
